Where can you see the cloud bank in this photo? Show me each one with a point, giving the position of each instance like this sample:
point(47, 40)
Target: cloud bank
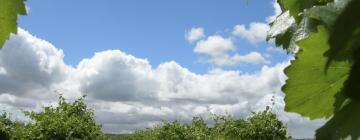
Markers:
point(127, 93)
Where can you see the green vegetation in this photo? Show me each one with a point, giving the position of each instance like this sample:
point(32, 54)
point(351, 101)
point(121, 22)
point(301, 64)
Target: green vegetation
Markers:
point(9, 11)
point(69, 121)
point(64, 122)
point(260, 126)
point(324, 78)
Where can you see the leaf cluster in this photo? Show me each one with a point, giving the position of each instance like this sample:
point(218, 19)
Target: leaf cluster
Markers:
point(323, 80)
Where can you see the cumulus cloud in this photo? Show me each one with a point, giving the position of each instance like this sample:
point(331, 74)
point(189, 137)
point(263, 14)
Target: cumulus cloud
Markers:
point(215, 46)
point(30, 65)
point(277, 12)
point(114, 75)
point(219, 50)
point(127, 93)
point(194, 34)
point(256, 32)
point(252, 58)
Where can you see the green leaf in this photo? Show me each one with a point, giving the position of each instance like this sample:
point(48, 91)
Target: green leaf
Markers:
point(324, 80)
point(309, 90)
point(344, 125)
point(286, 32)
point(9, 10)
point(282, 29)
point(280, 25)
point(345, 44)
point(352, 85)
point(327, 14)
point(296, 7)
point(345, 35)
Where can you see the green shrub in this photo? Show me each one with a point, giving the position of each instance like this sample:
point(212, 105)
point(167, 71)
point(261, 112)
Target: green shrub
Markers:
point(5, 126)
point(64, 122)
point(71, 121)
point(260, 126)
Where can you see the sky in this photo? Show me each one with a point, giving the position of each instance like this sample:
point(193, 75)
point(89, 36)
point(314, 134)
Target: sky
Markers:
point(141, 62)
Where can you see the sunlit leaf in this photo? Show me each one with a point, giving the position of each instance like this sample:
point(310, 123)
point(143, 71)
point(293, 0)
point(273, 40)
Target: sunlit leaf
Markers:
point(9, 11)
point(309, 90)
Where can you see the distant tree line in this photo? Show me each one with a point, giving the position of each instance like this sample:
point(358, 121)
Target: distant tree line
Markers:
point(74, 121)
point(260, 126)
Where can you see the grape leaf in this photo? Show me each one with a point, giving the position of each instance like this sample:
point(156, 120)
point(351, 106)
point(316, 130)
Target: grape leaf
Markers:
point(282, 29)
point(344, 124)
point(286, 32)
point(324, 80)
point(296, 7)
point(345, 43)
point(345, 34)
point(309, 90)
point(279, 26)
point(9, 10)
point(328, 13)
point(352, 85)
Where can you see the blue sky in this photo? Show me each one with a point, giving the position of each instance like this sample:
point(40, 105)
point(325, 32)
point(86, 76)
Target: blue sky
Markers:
point(146, 29)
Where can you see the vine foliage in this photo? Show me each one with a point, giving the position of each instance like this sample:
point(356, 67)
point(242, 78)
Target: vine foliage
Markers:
point(324, 79)
point(9, 11)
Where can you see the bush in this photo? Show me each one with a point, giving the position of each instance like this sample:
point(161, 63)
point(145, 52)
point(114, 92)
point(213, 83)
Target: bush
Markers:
point(66, 121)
point(260, 126)
point(5, 126)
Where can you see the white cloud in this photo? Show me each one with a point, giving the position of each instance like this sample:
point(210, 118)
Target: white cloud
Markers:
point(214, 46)
point(252, 58)
point(273, 49)
point(30, 65)
point(194, 34)
point(127, 93)
point(277, 11)
point(257, 32)
point(219, 50)
point(108, 71)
